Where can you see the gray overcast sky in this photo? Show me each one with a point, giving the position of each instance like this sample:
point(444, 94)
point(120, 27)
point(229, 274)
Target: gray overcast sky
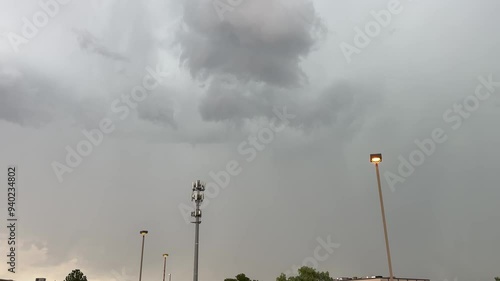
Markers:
point(67, 66)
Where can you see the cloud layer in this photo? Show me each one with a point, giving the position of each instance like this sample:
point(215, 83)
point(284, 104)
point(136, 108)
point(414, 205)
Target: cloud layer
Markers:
point(255, 41)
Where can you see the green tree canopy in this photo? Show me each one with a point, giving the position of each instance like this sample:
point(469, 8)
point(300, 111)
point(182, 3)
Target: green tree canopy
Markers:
point(239, 277)
point(306, 274)
point(76, 275)
point(497, 278)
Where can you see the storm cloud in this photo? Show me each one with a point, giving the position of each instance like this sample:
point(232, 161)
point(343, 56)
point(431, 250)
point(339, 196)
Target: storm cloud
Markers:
point(30, 98)
point(257, 41)
point(90, 43)
point(342, 104)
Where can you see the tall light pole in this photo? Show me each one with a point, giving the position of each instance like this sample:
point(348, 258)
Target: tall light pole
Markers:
point(164, 265)
point(143, 233)
point(197, 196)
point(376, 159)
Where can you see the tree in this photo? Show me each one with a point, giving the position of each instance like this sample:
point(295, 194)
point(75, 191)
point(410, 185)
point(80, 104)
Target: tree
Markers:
point(76, 275)
point(497, 278)
point(239, 277)
point(306, 274)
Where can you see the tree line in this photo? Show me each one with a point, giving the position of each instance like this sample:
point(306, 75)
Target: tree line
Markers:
point(305, 273)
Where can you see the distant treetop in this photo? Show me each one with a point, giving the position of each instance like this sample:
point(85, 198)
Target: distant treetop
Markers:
point(76, 275)
point(306, 274)
point(239, 277)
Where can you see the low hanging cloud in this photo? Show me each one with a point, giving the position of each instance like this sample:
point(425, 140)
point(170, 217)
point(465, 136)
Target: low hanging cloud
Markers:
point(341, 105)
point(90, 43)
point(229, 100)
point(258, 40)
point(158, 110)
point(28, 98)
point(32, 99)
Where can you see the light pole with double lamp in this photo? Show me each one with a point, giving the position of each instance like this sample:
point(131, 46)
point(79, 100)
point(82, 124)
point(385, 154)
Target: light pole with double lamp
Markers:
point(143, 233)
point(376, 159)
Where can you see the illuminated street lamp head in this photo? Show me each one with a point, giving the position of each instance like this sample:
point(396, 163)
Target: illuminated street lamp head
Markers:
point(165, 255)
point(144, 232)
point(376, 158)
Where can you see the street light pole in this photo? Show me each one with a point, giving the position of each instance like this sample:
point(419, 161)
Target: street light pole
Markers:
point(164, 265)
point(143, 233)
point(197, 196)
point(376, 159)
